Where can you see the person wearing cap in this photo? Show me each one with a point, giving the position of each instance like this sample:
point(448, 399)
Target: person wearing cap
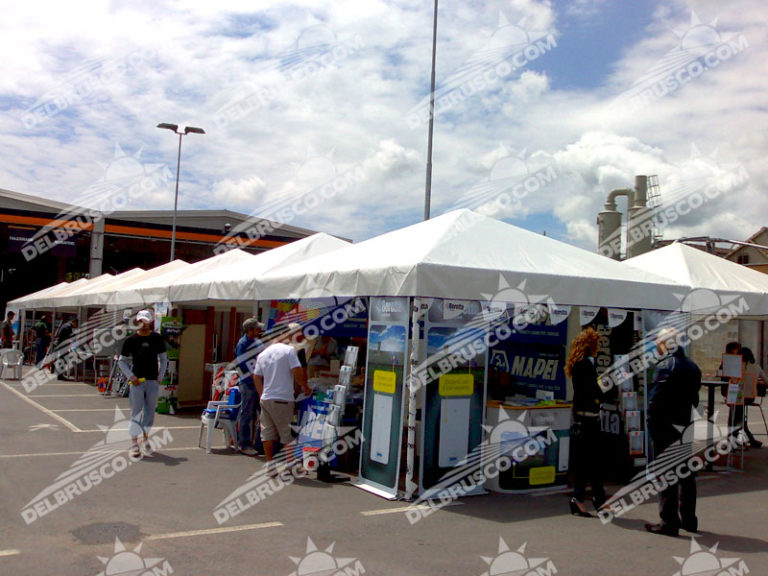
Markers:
point(147, 350)
point(672, 397)
point(277, 370)
point(246, 353)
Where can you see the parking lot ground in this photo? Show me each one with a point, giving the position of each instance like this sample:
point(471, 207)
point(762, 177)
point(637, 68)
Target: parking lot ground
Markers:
point(158, 515)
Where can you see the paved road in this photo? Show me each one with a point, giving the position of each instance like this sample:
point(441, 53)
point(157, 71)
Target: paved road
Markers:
point(162, 511)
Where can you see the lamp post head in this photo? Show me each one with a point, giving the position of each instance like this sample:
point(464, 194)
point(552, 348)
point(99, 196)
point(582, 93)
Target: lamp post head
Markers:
point(178, 129)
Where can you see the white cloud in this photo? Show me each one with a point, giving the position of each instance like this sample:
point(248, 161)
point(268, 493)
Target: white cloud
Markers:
point(293, 95)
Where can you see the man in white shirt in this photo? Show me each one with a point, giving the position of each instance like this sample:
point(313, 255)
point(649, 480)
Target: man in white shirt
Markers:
point(277, 369)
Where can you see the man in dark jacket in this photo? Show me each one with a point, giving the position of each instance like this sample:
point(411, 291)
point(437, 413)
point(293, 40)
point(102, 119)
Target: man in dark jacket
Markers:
point(671, 399)
point(64, 342)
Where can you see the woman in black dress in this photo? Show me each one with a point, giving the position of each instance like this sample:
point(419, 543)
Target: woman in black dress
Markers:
point(585, 432)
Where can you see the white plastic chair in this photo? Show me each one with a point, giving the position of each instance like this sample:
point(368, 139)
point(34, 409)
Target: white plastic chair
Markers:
point(221, 414)
point(11, 360)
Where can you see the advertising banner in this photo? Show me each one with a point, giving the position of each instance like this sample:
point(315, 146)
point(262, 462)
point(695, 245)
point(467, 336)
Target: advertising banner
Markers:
point(384, 395)
point(454, 395)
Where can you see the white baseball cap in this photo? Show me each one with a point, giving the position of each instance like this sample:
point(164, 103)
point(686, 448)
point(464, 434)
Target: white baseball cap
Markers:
point(144, 315)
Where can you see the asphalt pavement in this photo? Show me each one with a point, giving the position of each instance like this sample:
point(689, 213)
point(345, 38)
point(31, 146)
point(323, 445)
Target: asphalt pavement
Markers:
point(73, 503)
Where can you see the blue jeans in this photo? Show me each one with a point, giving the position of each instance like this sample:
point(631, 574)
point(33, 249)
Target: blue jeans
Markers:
point(246, 416)
point(143, 400)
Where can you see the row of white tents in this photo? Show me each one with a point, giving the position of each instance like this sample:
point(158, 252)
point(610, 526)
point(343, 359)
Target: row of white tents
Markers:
point(459, 255)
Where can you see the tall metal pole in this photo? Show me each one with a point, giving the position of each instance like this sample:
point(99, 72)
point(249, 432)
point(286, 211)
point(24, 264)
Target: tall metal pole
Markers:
point(428, 190)
point(176, 201)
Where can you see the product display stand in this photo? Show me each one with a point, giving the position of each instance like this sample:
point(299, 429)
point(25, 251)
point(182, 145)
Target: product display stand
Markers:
point(333, 419)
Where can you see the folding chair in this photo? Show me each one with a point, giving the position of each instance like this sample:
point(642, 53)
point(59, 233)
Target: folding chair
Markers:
point(221, 414)
point(12, 360)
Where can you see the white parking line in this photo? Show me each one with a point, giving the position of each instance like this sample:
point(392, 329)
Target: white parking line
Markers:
point(157, 428)
point(213, 531)
point(63, 396)
point(43, 409)
point(85, 409)
point(81, 452)
point(382, 511)
point(11, 552)
point(18, 384)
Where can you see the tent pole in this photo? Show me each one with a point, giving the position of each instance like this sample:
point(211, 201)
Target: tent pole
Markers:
point(410, 485)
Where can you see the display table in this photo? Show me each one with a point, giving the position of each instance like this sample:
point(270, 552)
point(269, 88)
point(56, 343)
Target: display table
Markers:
point(534, 439)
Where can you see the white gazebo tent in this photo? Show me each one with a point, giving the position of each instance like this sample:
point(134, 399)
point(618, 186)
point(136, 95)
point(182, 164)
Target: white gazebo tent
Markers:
point(232, 278)
point(237, 283)
point(464, 256)
point(84, 296)
point(102, 295)
point(715, 280)
point(31, 301)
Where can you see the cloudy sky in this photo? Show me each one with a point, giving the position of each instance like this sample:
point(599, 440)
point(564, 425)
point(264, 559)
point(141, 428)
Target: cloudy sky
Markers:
point(315, 110)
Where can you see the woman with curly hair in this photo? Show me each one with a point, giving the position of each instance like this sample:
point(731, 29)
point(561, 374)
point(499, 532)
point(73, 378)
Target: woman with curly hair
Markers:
point(585, 432)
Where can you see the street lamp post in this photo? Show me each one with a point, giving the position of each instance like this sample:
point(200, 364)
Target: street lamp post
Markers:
point(177, 129)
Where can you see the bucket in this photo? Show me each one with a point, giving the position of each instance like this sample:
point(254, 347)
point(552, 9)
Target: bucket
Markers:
point(310, 458)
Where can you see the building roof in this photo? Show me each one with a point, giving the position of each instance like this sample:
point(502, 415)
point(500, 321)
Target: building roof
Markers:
point(18, 201)
point(751, 240)
point(202, 219)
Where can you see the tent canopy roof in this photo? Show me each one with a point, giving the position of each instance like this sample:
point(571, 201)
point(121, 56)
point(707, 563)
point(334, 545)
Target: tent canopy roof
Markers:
point(716, 279)
point(465, 255)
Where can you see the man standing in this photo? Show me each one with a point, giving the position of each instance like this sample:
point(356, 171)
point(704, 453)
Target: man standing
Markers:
point(64, 342)
point(42, 338)
point(147, 350)
point(277, 369)
point(6, 331)
point(671, 399)
point(246, 353)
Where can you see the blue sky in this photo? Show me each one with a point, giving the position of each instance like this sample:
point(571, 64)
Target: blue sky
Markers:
point(314, 110)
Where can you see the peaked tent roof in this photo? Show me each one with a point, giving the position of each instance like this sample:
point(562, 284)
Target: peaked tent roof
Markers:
point(238, 282)
point(149, 289)
point(53, 299)
point(703, 271)
point(103, 294)
point(85, 296)
point(465, 255)
point(189, 289)
point(30, 300)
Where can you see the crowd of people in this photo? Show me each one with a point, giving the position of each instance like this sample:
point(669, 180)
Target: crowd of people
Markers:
point(270, 375)
point(673, 397)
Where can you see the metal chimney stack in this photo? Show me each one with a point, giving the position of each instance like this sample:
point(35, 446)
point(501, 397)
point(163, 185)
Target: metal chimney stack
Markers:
point(639, 222)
